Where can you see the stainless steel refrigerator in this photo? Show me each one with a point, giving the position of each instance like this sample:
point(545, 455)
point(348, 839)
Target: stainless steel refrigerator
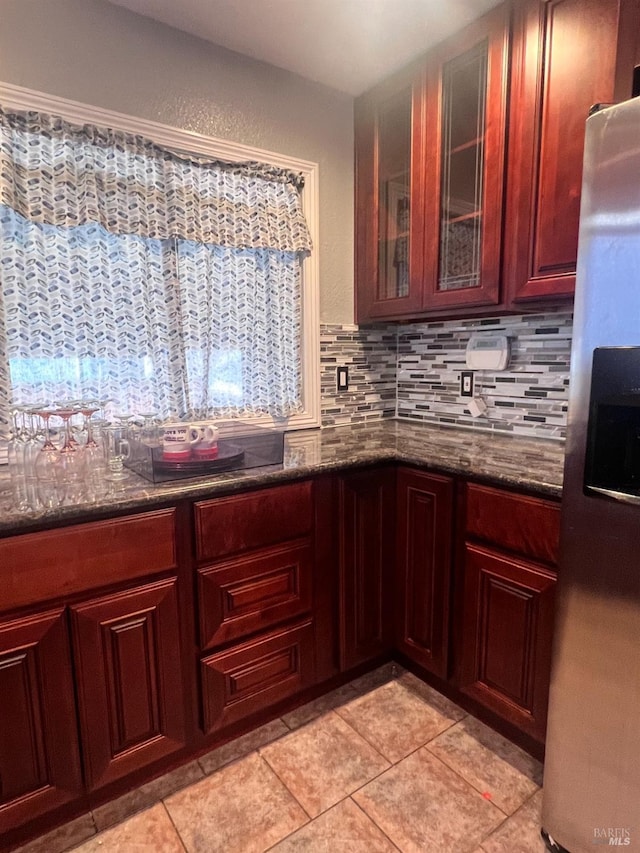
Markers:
point(592, 768)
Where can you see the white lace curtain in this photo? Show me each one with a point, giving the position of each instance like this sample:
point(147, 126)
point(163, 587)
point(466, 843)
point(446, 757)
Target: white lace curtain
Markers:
point(129, 271)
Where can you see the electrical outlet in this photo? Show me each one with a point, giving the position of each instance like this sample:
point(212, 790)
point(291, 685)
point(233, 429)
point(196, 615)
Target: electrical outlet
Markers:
point(342, 378)
point(466, 383)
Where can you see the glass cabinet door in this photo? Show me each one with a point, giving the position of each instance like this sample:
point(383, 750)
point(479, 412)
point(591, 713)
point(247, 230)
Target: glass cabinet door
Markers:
point(389, 192)
point(467, 103)
point(394, 196)
point(464, 100)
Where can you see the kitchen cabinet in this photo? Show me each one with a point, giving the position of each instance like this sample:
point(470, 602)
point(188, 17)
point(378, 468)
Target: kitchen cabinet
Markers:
point(466, 108)
point(429, 179)
point(92, 685)
point(367, 539)
point(423, 567)
point(255, 576)
point(132, 643)
point(39, 751)
point(389, 142)
point(568, 55)
point(448, 221)
point(508, 578)
point(129, 679)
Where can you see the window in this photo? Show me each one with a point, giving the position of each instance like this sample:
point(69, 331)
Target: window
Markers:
point(173, 282)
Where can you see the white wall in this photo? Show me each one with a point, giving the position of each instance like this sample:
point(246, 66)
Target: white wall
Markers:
point(97, 53)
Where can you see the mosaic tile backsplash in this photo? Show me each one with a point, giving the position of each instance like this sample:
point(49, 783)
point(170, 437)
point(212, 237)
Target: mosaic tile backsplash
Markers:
point(413, 371)
point(371, 357)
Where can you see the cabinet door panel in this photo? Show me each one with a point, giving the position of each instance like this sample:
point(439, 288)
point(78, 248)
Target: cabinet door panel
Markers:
point(567, 59)
point(425, 506)
point(464, 173)
point(508, 627)
point(389, 141)
point(367, 520)
point(247, 594)
point(127, 647)
point(39, 760)
point(254, 675)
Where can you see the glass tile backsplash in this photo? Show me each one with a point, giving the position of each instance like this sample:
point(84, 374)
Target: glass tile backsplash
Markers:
point(413, 371)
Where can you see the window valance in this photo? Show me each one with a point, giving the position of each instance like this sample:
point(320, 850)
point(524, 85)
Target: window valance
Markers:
point(56, 173)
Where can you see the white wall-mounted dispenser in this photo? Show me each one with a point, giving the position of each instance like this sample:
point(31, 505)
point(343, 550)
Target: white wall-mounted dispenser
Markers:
point(488, 352)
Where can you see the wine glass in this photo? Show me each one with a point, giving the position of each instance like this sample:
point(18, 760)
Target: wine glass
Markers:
point(49, 489)
point(71, 460)
point(93, 450)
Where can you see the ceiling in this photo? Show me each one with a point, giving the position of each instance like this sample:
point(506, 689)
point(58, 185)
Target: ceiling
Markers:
point(346, 44)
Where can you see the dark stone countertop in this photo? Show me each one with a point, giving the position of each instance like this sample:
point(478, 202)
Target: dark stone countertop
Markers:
point(533, 465)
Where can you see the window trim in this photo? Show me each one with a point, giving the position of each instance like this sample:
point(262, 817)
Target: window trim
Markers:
point(21, 98)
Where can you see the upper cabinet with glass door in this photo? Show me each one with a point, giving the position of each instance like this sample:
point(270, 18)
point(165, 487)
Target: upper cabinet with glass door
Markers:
point(466, 117)
point(389, 211)
point(429, 179)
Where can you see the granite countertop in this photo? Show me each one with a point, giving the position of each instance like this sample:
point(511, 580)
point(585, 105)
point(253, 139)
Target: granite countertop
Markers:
point(531, 464)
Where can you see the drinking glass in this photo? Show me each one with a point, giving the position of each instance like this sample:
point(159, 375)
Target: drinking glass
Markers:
point(117, 450)
point(150, 434)
point(15, 459)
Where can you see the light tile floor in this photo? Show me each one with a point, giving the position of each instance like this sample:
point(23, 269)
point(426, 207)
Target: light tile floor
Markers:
point(382, 764)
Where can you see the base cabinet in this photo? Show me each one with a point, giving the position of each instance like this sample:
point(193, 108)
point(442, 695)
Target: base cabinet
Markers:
point(367, 535)
point(39, 755)
point(129, 679)
point(508, 619)
point(423, 568)
point(101, 685)
point(507, 578)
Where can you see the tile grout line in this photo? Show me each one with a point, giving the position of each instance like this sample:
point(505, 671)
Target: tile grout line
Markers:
point(443, 761)
point(368, 816)
point(288, 789)
point(466, 782)
point(509, 818)
point(177, 831)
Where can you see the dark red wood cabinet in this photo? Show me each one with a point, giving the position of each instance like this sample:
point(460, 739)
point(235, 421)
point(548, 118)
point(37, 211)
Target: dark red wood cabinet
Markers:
point(423, 567)
point(367, 519)
point(507, 575)
point(465, 115)
point(129, 679)
point(469, 163)
point(389, 186)
point(568, 56)
point(39, 753)
point(430, 146)
point(257, 605)
point(219, 619)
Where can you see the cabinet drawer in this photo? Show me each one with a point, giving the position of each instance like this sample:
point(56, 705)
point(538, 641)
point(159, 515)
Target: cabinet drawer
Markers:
point(525, 525)
point(241, 681)
point(56, 563)
point(243, 522)
point(247, 594)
